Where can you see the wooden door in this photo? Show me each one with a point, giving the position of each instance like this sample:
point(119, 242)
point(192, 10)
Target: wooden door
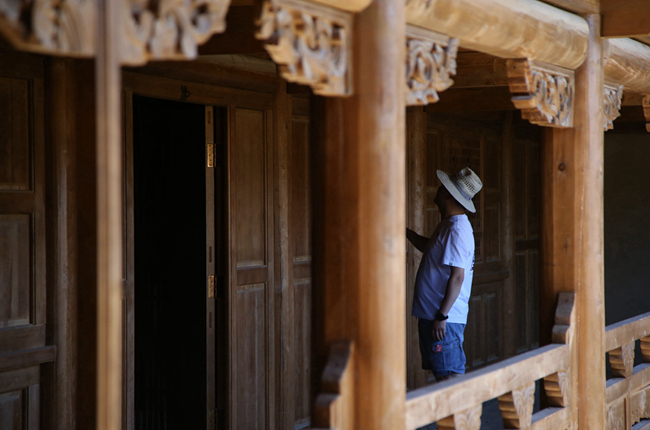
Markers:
point(172, 265)
point(23, 345)
point(251, 274)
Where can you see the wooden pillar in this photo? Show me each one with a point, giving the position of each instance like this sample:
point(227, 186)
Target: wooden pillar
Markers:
point(572, 233)
point(359, 219)
point(109, 217)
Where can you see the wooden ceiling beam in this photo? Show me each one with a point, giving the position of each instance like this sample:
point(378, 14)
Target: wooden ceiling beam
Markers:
point(577, 6)
point(473, 100)
point(625, 18)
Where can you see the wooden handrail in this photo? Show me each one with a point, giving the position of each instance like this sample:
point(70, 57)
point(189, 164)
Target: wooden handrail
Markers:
point(438, 401)
point(627, 331)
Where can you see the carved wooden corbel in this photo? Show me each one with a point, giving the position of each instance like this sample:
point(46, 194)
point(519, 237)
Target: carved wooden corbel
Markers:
point(557, 388)
point(334, 406)
point(622, 360)
point(612, 97)
point(60, 27)
point(564, 318)
point(310, 42)
point(517, 407)
point(169, 29)
point(616, 415)
point(646, 111)
point(469, 419)
point(639, 406)
point(430, 63)
point(544, 93)
point(645, 348)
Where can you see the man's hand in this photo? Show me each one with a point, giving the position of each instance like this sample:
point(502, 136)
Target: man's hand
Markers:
point(439, 329)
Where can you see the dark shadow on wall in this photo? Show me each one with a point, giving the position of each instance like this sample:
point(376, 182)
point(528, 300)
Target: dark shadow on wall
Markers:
point(627, 225)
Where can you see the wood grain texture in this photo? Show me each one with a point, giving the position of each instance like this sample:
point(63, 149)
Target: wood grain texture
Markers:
point(542, 32)
point(627, 62)
point(625, 18)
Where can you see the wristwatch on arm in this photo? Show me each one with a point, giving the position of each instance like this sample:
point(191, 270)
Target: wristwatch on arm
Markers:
point(441, 317)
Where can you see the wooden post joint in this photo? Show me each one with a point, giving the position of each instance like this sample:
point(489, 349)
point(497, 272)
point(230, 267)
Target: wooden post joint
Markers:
point(544, 93)
point(469, 419)
point(310, 42)
point(557, 387)
point(622, 360)
point(334, 407)
point(564, 318)
point(517, 407)
point(430, 63)
point(612, 97)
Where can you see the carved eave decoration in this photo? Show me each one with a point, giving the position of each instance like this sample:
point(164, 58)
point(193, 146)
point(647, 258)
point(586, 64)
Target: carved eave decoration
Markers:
point(169, 29)
point(63, 27)
point(311, 44)
point(430, 64)
point(166, 29)
point(612, 97)
point(544, 93)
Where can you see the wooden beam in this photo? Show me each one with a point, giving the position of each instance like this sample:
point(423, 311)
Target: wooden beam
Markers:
point(109, 216)
point(625, 18)
point(512, 29)
point(627, 62)
point(476, 69)
point(239, 37)
point(473, 100)
point(576, 6)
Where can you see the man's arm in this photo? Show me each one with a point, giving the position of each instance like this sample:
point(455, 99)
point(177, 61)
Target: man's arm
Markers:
point(420, 242)
point(454, 285)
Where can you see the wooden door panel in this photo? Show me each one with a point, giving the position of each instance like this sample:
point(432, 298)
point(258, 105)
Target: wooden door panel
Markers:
point(251, 298)
point(20, 399)
point(250, 175)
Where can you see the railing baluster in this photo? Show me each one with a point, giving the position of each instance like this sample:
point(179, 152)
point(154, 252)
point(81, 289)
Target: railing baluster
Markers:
point(469, 419)
point(622, 360)
point(517, 407)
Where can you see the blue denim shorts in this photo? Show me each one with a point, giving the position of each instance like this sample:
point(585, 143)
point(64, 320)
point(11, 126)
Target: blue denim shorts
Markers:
point(443, 357)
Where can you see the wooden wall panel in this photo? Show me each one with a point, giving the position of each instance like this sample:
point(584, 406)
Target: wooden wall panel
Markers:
point(22, 236)
point(14, 135)
point(15, 279)
point(300, 256)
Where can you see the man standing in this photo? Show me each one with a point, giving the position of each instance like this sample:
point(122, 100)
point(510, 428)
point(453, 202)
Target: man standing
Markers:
point(444, 280)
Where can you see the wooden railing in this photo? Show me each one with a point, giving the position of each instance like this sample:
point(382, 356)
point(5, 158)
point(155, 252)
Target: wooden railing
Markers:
point(628, 393)
point(457, 403)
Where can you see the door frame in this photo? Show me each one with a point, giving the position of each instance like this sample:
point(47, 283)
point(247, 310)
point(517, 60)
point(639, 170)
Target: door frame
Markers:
point(189, 91)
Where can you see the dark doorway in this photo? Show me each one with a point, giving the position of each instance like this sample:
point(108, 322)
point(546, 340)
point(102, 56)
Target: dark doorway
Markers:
point(172, 318)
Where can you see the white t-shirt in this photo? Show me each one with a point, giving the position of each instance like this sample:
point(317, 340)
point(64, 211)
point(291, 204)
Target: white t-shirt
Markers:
point(454, 246)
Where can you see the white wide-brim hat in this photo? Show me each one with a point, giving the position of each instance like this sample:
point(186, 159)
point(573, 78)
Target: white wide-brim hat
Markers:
point(463, 186)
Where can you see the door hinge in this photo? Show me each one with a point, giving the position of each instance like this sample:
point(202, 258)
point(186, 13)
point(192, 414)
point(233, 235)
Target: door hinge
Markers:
point(211, 287)
point(210, 154)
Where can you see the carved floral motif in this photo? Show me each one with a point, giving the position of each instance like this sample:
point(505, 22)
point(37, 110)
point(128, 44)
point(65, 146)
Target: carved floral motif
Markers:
point(430, 63)
point(557, 388)
point(310, 43)
point(612, 96)
point(544, 93)
point(65, 27)
point(517, 406)
point(169, 29)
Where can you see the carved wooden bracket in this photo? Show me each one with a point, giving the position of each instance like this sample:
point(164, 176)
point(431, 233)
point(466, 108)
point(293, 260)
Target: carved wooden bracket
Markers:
point(335, 403)
point(645, 102)
point(430, 63)
point(517, 407)
point(564, 318)
point(557, 388)
point(310, 42)
point(616, 415)
point(169, 29)
point(469, 419)
point(645, 349)
point(612, 97)
point(622, 360)
point(639, 407)
point(166, 29)
point(544, 93)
